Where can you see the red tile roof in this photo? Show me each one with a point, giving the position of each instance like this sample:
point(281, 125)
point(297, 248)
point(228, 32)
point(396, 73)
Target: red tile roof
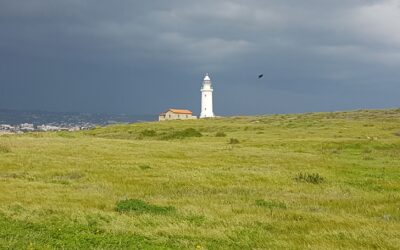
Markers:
point(179, 111)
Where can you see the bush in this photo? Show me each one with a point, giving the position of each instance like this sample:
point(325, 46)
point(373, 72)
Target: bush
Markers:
point(139, 206)
point(186, 133)
point(144, 167)
point(220, 134)
point(397, 133)
point(233, 141)
point(313, 178)
point(148, 133)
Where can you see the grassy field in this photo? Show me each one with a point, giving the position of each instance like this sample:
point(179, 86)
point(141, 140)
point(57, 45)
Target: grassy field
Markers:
point(316, 181)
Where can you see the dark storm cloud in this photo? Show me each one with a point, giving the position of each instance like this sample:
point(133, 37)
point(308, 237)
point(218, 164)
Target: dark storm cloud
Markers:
point(145, 56)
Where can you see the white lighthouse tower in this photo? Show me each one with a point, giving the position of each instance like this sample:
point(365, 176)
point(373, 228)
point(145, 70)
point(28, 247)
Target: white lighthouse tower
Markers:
point(206, 98)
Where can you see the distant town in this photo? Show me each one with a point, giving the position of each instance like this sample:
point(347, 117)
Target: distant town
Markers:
point(17, 122)
point(29, 127)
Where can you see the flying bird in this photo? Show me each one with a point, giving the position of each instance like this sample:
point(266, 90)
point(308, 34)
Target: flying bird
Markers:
point(259, 76)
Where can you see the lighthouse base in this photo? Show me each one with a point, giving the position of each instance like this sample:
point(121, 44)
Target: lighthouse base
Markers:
point(208, 115)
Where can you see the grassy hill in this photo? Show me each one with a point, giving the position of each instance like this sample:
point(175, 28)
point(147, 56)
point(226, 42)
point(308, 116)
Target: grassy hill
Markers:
point(317, 180)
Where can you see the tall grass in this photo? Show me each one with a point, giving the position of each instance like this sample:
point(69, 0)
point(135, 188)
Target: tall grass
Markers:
point(313, 180)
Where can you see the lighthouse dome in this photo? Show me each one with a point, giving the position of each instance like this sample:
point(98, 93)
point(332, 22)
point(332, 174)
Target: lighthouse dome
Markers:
point(207, 78)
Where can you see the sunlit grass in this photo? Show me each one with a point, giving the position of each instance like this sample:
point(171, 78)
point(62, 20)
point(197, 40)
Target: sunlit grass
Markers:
point(184, 186)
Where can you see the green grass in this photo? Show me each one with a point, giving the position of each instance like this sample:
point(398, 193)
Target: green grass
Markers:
point(181, 134)
point(4, 149)
point(177, 185)
point(270, 204)
point(139, 206)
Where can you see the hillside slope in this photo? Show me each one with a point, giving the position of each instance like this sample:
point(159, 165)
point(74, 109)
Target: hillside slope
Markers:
point(317, 180)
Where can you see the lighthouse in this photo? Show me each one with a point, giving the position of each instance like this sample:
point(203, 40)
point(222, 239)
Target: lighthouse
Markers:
point(206, 98)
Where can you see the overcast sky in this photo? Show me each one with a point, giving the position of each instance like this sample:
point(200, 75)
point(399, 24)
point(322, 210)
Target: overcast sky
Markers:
point(142, 57)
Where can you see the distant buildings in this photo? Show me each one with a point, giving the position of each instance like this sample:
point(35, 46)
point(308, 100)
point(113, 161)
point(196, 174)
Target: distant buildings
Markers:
point(28, 127)
point(50, 128)
point(6, 127)
point(176, 114)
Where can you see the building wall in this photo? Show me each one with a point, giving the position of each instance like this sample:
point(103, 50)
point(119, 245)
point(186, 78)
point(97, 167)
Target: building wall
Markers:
point(172, 116)
point(161, 117)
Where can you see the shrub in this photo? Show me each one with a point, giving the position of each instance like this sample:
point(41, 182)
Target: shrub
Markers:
point(271, 204)
point(313, 178)
point(139, 206)
point(186, 133)
point(397, 133)
point(220, 134)
point(144, 167)
point(233, 141)
point(148, 133)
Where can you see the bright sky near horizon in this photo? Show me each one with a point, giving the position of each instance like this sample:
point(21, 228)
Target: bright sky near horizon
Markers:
point(142, 57)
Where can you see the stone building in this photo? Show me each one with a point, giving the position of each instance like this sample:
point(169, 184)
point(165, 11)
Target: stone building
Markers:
point(176, 114)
